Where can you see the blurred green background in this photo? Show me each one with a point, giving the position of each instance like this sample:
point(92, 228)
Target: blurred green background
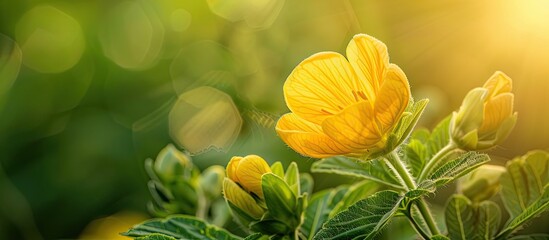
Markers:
point(90, 89)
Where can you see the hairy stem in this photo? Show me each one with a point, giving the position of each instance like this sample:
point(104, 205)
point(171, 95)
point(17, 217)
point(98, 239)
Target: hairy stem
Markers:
point(401, 170)
point(426, 213)
point(405, 175)
point(435, 160)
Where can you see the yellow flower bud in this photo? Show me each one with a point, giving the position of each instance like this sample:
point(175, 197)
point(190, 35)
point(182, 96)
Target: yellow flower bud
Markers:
point(171, 163)
point(247, 172)
point(486, 115)
point(481, 184)
point(241, 199)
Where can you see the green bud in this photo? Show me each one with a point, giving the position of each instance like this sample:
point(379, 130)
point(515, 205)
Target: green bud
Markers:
point(171, 164)
point(486, 116)
point(211, 181)
point(482, 183)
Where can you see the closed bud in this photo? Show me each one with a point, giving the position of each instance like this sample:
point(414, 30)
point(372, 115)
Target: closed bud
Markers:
point(247, 172)
point(235, 195)
point(171, 164)
point(263, 198)
point(482, 183)
point(211, 181)
point(486, 115)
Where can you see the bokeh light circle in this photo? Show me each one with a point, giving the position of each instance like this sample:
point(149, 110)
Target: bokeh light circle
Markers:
point(51, 40)
point(132, 36)
point(204, 118)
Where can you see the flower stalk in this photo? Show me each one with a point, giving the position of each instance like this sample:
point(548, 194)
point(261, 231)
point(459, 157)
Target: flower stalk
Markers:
point(408, 180)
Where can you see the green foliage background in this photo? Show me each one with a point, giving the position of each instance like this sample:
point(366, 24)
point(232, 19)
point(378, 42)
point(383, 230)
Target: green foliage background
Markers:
point(73, 142)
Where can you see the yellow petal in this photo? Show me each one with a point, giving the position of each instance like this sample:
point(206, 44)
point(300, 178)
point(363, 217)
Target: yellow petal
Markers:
point(249, 172)
point(322, 85)
point(231, 168)
point(241, 199)
point(369, 59)
point(354, 127)
point(496, 110)
point(307, 138)
point(498, 83)
point(392, 99)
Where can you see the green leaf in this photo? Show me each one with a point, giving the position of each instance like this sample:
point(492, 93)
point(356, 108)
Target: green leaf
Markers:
point(440, 136)
point(278, 169)
point(407, 124)
point(458, 167)
point(179, 227)
point(280, 199)
point(533, 210)
point(415, 155)
point(292, 178)
point(355, 193)
point(439, 237)
point(417, 215)
point(488, 220)
point(425, 187)
point(524, 181)
point(531, 237)
point(375, 169)
point(257, 236)
point(242, 216)
point(363, 220)
point(318, 210)
point(149, 168)
point(424, 144)
point(156, 236)
point(270, 226)
point(466, 220)
point(307, 183)
point(460, 218)
point(525, 191)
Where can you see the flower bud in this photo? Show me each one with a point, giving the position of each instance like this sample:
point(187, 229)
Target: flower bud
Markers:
point(241, 199)
point(171, 163)
point(263, 198)
point(247, 172)
point(486, 115)
point(211, 181)
point(482, 183)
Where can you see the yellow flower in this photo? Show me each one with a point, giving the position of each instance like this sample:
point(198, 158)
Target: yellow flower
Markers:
point(247, 172)
point(486, 116)
point(344, 106)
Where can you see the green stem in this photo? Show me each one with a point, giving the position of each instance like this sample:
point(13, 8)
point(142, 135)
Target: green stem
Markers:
point(403, 173)
point(429, 220)
point(401, 170)
point(435, 160)
point(203, 206)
